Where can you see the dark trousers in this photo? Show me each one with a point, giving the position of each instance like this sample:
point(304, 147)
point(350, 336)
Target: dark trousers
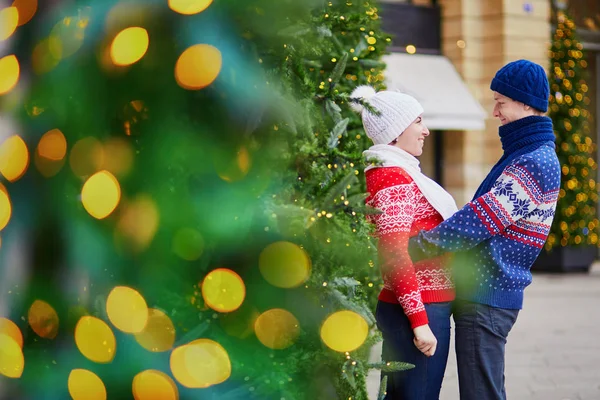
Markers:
point(481, 333)
point(423, 382)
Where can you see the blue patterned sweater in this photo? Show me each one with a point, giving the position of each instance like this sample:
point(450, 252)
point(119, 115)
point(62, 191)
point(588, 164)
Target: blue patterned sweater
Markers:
point(499, 234)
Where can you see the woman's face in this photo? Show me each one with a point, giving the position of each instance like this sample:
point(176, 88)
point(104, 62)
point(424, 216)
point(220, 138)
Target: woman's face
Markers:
point(413, 137)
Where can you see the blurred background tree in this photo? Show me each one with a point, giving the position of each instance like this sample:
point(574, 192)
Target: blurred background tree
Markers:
point(576, 222)
point(182, 210)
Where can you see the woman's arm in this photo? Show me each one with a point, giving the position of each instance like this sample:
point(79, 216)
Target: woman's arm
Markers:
point(397, 204)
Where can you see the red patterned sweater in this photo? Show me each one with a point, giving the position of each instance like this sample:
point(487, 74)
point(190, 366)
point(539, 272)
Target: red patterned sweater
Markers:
point(405, 212)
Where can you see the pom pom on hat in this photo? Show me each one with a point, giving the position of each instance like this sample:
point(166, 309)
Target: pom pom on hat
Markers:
point(363, 92)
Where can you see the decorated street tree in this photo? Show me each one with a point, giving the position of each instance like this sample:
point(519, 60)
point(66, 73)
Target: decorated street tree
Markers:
point(576, 222)
point(181, 208)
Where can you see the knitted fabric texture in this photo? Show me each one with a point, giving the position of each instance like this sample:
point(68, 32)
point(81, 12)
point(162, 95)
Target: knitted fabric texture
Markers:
point(396, 112)
point(391, 156)
point(498, 236)
point(406, 211)
point(523, 81)
point(519, 137)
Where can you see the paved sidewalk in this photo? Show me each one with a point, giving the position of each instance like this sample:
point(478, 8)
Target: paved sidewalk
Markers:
point(553, 352)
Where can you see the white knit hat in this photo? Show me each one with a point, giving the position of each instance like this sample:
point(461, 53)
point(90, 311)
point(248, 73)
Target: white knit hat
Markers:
point(396, 112)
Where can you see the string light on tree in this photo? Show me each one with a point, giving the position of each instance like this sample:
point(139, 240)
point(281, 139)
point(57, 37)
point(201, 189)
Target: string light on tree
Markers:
point(85, 385)
point(198, 66)
point(95, 340)
point(51, 152)
point(129, 46)
point(284, 264)
point(43, 319)
point(189, 7)
point(223, 290)
point(9, 19)
point(12, 361)
point(14, 156)
point(214, 369)
point(9, 328)
point(101, 194)
point(127, 309)
point(277, 328)
point(27, 9)
point(576, 210)
point(344, 331)
point(5, 207)
point(153, 385)
point(158, 334)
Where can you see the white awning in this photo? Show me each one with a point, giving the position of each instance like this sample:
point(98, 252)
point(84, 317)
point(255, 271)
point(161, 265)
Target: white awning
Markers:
point(434, 81)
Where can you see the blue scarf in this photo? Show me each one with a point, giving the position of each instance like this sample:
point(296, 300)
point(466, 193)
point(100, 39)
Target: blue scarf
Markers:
point(519, 137)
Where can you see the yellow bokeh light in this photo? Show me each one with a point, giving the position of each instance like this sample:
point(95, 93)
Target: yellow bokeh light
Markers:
point(101, 194)
point(234, 170)
point(9, 73)
point(214, 368)
point(46, 167)
point(189, 7)
point(277, 328)
point(12, 361)
point(158, 334)
point(118, 156)
point(344, 331)
point(86, 157)
point(53, 145)
point(50, 155)
point(14, 158)
point(27, 9)
point(154, 385)
point(85, 385)
point(138, 222)
point(95, 340)
point(127, 14)
point(127, 309)
point(129, 46)
point(9, 19)
point(43, 319)
point(188, 244)
point(5, 207)
point(223, 290)
point(67, 36)
point(42, 59)
point(410, 49)
point(284, 264)
point(198, 66)
point(239, 323)
point(9, 328)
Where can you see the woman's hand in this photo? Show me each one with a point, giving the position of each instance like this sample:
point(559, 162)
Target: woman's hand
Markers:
point(425, 340)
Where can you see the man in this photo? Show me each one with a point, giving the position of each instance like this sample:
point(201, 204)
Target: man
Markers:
point(500, 233)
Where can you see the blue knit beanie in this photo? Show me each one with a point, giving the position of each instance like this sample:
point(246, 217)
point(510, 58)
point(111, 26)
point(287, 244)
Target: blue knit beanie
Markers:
point(523, 81)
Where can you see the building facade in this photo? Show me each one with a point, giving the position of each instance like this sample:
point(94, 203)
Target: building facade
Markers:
point(478, 37)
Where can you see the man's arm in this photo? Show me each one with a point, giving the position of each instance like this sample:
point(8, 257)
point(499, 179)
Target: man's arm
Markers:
point(516, 193)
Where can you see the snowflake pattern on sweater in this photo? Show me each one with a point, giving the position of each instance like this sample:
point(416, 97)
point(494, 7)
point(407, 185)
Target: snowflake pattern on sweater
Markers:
point(404, 212)
point(498, 235)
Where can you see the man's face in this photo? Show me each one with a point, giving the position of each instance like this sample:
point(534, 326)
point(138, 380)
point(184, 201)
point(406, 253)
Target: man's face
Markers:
point(508, 110)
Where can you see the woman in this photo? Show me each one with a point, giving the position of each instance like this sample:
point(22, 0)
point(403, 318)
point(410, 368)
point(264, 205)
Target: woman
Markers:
point(413, 311)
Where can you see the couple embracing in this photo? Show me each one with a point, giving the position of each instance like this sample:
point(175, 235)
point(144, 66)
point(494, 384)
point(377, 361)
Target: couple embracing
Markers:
point(473, 263)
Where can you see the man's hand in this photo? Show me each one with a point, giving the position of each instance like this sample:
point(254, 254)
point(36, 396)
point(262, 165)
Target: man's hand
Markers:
point(425, 340)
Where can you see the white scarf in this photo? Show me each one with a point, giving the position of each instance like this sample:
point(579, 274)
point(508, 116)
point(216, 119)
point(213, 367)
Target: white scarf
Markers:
point(391, 156)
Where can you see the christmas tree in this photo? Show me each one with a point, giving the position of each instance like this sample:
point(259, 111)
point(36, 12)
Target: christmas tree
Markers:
point(576, 222)
point(182, 210)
